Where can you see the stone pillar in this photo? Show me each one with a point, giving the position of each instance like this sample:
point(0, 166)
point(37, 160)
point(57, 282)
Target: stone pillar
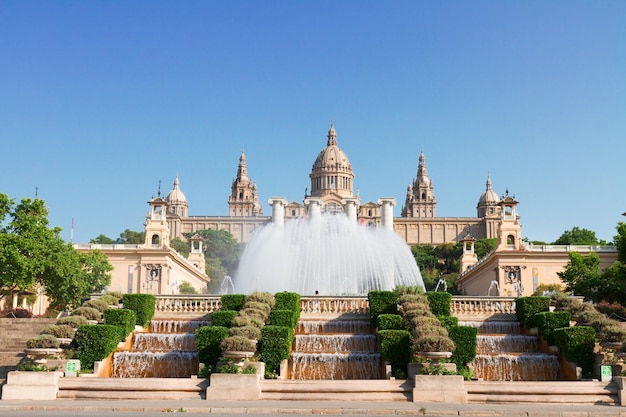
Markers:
point(350, 207)
point(314, 205)
point(386, 211)
point(278, 210)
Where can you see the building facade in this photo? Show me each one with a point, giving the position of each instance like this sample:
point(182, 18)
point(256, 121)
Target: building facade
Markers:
point(332, 180)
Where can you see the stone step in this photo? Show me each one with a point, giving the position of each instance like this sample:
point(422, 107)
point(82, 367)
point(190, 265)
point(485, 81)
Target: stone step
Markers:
point(130, 388)
point(341, 390)
point(563, 392)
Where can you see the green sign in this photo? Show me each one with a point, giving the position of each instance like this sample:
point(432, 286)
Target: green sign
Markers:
point(71, 367)
point(606, 370)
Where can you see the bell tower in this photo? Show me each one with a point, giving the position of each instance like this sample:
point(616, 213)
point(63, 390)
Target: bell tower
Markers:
point(510, 230)
point(156, 227)
point(244, 198)
point(420, 197)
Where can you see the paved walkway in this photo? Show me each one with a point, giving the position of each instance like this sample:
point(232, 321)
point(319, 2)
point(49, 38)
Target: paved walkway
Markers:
point(317, 407)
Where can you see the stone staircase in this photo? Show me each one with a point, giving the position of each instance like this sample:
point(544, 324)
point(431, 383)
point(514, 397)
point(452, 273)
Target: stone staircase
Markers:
point(337, 390)
point(548, 392)
point(132, 388)
point(15, 333)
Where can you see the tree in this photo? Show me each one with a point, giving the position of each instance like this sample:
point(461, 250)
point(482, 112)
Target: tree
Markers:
point(483, 246)
point(186, 288)
point(130, 237)
point(577, 236)
point(181, 247)
point(581, 274)
point(33, 253)
point(102, 240)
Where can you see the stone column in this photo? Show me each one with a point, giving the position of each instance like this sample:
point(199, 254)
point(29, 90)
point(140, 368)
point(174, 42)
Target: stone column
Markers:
point(350, 207)
point(386, 211)
point(278, 210)
point(314, 205)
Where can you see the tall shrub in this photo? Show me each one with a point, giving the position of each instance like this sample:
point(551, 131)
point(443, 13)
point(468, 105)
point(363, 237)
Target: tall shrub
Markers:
point(289, 301)
point(382, 302)
point(548, 321)
point(143, 305)
point(577, 344)
point(223, 318)
point(464, 337)
point(527, 307)
point(395, 348)
point(233, 302)
point(121, 317)
point(440, 303)
point(275, 345)
point(96, 342)
point(208, 339)
point(281, 318)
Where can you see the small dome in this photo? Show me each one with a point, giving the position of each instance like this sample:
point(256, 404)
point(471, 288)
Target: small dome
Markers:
point(332, 158)
point(176, 196)
point(489, 197)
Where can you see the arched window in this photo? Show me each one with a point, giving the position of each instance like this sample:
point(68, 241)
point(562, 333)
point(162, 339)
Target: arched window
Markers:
point(155, 240)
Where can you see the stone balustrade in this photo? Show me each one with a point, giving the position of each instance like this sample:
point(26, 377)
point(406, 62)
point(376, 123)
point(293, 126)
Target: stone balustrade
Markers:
point(462, 306)
point(465, 307)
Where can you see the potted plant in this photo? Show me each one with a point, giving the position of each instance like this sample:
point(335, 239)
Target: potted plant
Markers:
point(238, 347)
point(42, 346)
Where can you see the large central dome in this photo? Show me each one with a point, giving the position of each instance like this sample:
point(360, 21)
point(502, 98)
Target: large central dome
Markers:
point(331, 176)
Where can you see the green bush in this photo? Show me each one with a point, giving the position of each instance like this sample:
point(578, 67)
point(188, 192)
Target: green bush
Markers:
point(121, 317)
point(223, 318)
point(548, 321)
point(43, 341)
point(389, 322)
point(250, 332)
point(143, 305)
point(73, 321)
point(464, 337)
point(527, 307)
point(59, 330)
point(208, 339)
point(289, 301)
point(262, 297)
point(275, 345)
point(99, 304)
point(96, 343)
point(577, 344)
point(382, 302)
point(281, 318)
point(233, 302)
point(439, 303)
point(89, 313)
point(448, 321)
point(110, 299)
point(395, 348)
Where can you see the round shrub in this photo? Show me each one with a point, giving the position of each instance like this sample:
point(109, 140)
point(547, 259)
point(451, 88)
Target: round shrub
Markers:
point(250, 332)
point(110, 299)
point(433, 343)
point(238, 344)
point(59, 330)
point(43, 341)
point(99, 304)
point(73, 321)
point(254, 313)
point(89, 313)
point(259, 306)
point(262, 297)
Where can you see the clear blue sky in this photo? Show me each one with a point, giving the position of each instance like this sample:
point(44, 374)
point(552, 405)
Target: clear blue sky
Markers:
point(101, 100)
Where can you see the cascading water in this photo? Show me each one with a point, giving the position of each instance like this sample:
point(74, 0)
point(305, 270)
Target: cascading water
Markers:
point(167, 351)
point(503, 354)
point(335, 349)
point(328, 253)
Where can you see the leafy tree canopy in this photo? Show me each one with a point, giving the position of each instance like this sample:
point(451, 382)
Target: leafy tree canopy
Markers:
point(186, 288)
point(102, 240)
point(578, 236)
point(33, 253)
point(131, 237)
point(181, 247)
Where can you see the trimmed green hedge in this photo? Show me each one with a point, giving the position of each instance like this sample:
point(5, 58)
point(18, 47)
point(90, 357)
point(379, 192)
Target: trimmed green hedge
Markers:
point(395, 348)
point(143, 305)
point(527, 307)
point(448, 321)
point(208, 339)
point(382, 302)
point(289, 301)
point(440, 303)
point(464, 337)
point(281, 318)
point(275, 345)
point(233, 302)
point(223, 318)
point(121, 317)
point(548, 321)
point(577, 344)
point(389, 322)
point(96, 342)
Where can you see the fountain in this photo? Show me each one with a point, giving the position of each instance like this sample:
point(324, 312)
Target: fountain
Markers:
point(329, 253)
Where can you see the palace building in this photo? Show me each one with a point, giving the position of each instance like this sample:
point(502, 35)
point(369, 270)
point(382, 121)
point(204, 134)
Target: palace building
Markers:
point(332, 181)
